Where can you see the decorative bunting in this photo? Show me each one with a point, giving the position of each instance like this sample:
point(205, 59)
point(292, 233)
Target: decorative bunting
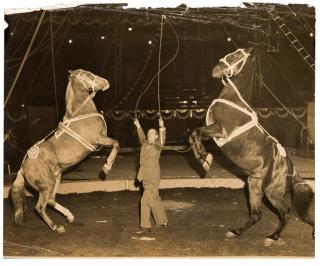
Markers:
point(199, 114)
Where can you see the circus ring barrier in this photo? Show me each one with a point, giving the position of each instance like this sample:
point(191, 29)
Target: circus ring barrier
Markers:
point(277, 122)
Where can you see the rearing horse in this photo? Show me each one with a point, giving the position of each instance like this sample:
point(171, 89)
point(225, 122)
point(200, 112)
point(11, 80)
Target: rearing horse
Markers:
point(82, 130)
point(234, 126)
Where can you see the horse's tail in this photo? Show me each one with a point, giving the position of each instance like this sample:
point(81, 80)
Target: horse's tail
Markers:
point(17, 193)
point(302, 199)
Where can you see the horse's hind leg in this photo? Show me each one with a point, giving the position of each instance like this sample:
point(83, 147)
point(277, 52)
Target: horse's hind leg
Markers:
point(255, 199)
point(44, 196)
point(52, 202)
point(284, 209)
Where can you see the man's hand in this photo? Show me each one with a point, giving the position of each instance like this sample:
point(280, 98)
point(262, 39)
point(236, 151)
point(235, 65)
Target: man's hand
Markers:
point(136, 123)
point(161, 122)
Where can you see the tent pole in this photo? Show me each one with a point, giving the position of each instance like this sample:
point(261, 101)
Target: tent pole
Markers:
point(24, 58)
point(54, 72)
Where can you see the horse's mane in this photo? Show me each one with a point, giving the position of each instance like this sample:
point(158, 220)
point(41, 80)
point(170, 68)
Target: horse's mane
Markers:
point(69, 97)
point(246, 79)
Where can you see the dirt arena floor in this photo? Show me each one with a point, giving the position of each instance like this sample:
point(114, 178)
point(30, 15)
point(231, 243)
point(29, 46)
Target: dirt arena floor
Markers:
point(198, 221)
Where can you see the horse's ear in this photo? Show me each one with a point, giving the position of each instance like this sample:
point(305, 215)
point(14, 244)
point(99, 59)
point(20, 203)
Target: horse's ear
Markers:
point(249, 49)
point(70, 71)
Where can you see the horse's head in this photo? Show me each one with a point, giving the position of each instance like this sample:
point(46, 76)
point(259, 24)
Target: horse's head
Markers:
point(231, 64)
point(88, 81)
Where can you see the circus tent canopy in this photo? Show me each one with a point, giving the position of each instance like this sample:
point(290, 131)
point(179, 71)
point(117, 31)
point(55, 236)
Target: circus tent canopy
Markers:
point(122, 44)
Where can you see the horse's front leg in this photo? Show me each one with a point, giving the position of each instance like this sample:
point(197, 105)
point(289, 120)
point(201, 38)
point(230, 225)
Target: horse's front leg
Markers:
point(198, 135)
point(106, 141)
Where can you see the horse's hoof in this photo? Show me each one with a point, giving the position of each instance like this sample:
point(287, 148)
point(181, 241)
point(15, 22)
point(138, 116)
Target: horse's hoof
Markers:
point(102, 175)
point(230, 234)
point(60, 229)
point(106, 169)
point(280, 242)
point(268, 242)
point(207, 162)
point(70, 219)
point(18, 218)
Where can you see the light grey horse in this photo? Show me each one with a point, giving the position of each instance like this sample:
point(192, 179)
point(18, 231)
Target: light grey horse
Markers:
point(81, 132)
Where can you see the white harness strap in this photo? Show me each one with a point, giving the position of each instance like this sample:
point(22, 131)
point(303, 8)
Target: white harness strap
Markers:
point(229, 71)
point(253, 115)
point(77, 137)
point(64, 127)
point(237, 131)
point(81, 117)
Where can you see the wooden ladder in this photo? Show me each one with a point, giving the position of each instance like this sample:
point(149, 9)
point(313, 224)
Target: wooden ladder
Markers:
point(296, 44)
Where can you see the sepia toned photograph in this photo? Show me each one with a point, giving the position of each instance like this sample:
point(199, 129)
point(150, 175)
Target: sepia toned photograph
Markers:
point(159, 131)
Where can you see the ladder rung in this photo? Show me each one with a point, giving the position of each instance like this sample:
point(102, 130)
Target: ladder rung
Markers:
point(285, 29)
point(305, 52)
point(310, 60)
point(298, 48)
point(297, 44)
point(291, 38)
point(278, 22)
point(310, 63)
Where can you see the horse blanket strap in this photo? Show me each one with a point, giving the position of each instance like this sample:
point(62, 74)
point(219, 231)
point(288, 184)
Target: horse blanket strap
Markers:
point(238, 131)
point(64, 127)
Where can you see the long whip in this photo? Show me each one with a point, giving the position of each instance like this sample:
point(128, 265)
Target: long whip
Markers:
point(161, 68)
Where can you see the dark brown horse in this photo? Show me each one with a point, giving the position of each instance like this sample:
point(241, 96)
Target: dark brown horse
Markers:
point(234, 126)
point(81, 132)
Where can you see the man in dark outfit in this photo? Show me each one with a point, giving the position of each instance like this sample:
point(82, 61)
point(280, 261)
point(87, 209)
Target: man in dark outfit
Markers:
point(149, 174)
